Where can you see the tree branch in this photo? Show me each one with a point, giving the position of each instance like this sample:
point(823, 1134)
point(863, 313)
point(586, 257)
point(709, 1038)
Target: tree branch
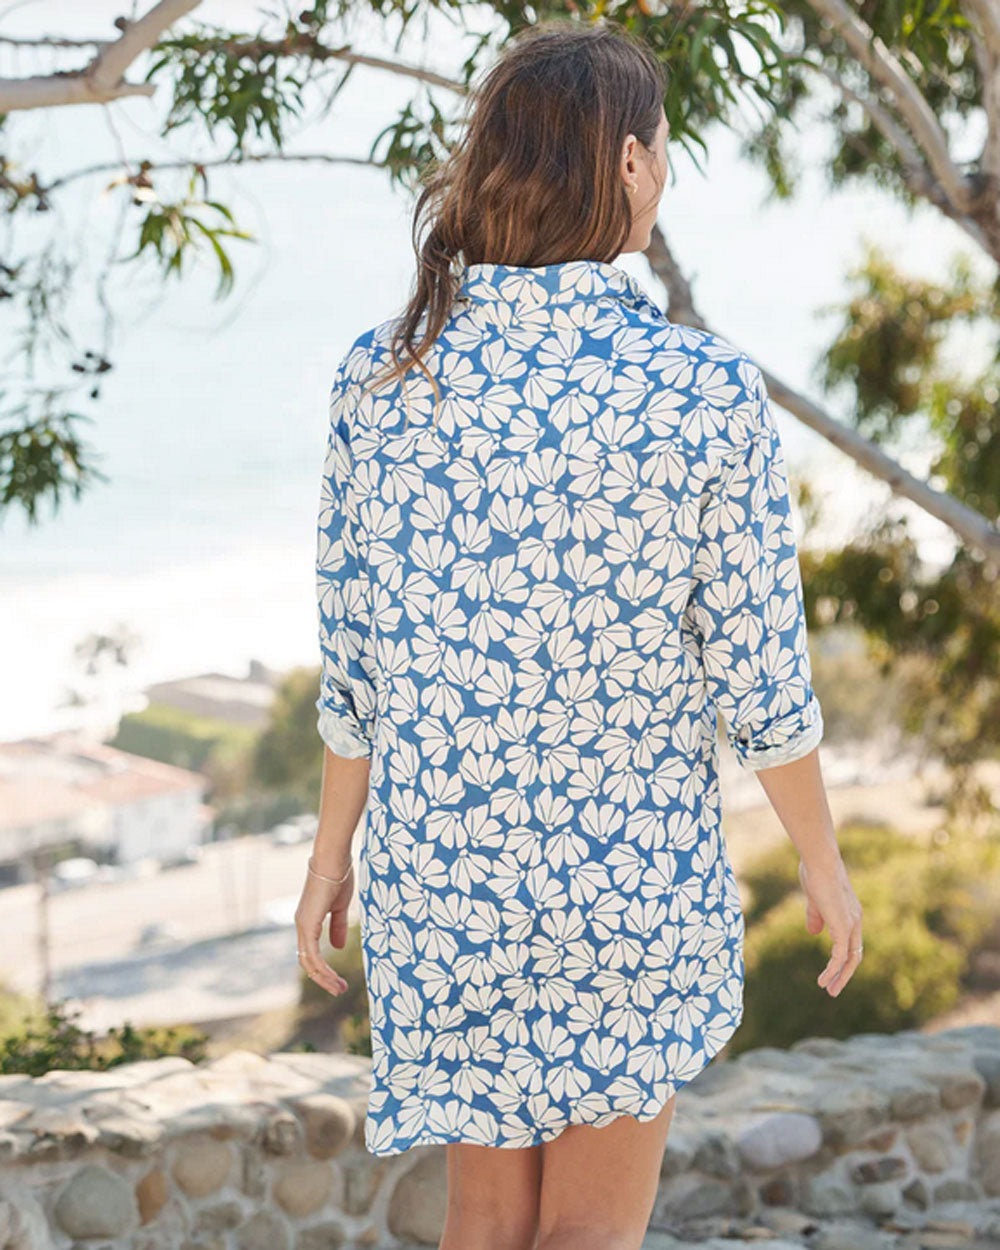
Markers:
point(986, 45)
point(52, 41)
point(916, 175)
point(101, 80)
point(974, 529)
point(148, 166)
point(986, 19)
point(397, 67)
point(884, 67)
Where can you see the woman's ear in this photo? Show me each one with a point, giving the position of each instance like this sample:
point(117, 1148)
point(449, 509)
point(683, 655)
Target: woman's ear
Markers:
point(629, 172)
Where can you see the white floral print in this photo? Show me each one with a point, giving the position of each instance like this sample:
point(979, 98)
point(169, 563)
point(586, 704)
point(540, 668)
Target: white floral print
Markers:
point(530, 613)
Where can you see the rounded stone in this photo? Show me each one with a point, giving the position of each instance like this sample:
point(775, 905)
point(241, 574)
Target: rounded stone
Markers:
point(876, 1171)
point(218, 1218)
point(931, 1147)
point(821, 1047)
point(988, 1153)
point(321, 1237)
point(24, 1226)
point(263, 1231)
point(419, 1200)
point(824, 1195)
point(962, 1130)
point(987, 1063)
point(956, 1190)
point(717, 1156)
point(778, 1191)
point(202, 1167)
point(916, 1194)
point(151, 1194)
point(848, 1236)
point(679, 1152)
point(95, 1203)
point(848, 1114)
point(783, 1138)
point(330, 1123)
point(362, 1176)
point(711, 1197)
point(958, 1087)
point(881, 1141)
point(303, 1188)
point(253, 1181)
point(880, 1199)
point(281, 1134)
point(911, 1098)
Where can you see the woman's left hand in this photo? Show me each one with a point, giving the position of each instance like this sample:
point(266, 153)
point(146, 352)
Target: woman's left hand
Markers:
point(318, 901)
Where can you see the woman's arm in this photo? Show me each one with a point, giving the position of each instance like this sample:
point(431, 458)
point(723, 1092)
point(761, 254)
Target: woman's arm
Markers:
point(346, 703)
point(343, 794)
point(342, 800)
point(747, 604)
point(748, 610)
point(797, 794)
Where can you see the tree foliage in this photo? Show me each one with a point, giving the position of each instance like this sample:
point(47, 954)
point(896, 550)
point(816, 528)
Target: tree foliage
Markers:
point(902, 87)
point(930, 909)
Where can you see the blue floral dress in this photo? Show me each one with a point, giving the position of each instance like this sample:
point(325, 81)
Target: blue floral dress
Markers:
point(532, 603)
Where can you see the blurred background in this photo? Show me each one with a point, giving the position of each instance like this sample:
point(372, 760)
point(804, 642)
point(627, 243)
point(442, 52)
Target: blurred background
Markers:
point(182, 267)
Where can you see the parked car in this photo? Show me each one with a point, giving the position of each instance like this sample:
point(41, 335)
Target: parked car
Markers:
point(305, 820)
point(158, 933)
point(192, 854)
point(279, 913)
point(73, 872)
point(290, 834)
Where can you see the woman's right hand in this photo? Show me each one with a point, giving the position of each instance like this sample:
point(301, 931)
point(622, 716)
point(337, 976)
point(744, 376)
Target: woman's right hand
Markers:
point(831, 901)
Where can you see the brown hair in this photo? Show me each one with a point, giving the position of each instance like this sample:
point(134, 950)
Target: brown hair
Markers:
point(534, 180)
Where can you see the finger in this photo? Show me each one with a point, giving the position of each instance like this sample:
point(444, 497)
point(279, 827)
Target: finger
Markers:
point(854, 955)
point(848, 963)
point(844, 975)
point(320, 972)
point(814, 917)
point(839, 956)
point(338, 927)
point(313, 962)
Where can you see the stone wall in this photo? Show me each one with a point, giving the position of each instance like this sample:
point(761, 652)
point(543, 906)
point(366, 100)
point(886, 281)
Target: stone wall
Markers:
point(885, 1137)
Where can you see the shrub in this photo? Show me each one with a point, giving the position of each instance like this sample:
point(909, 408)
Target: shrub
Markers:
point(347, 1013)
point(184, 739)
point(927, 905)
point(49, 1040)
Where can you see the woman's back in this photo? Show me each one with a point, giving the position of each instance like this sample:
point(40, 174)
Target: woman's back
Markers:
point(533, 599)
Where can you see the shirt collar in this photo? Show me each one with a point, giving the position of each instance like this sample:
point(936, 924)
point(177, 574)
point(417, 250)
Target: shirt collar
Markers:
point(527, 288)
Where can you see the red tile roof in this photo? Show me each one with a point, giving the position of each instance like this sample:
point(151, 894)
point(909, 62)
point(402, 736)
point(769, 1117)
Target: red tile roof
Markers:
point(60, 775)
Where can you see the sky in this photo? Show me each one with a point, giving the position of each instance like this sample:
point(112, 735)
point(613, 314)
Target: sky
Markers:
point(212, 423)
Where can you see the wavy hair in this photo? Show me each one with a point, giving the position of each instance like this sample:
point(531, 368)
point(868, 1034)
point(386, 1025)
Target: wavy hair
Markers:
point(534, 179)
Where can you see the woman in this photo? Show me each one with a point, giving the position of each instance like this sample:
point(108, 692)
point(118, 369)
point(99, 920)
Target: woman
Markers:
point(554, 541)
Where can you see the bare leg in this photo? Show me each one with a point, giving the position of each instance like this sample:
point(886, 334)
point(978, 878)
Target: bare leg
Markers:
point(493, 1195)
point(599, 1184)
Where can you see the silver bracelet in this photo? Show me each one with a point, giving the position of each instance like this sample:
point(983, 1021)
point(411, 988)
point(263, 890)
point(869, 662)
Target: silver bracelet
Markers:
point(331, 880)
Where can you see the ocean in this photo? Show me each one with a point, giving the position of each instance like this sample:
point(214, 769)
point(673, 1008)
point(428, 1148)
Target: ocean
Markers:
point(212, 423)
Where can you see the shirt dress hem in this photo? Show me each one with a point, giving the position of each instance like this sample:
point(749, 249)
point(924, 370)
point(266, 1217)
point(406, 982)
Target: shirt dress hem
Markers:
point(551, 1132)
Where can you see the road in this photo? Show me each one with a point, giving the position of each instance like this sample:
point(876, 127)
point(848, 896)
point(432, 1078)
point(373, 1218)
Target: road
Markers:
point(229, 959)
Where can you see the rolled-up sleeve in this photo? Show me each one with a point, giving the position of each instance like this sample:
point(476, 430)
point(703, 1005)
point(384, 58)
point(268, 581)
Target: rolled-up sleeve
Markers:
point(747, 604)
point(346, 703)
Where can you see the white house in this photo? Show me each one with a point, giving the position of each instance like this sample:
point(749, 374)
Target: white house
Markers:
point(65, 790)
